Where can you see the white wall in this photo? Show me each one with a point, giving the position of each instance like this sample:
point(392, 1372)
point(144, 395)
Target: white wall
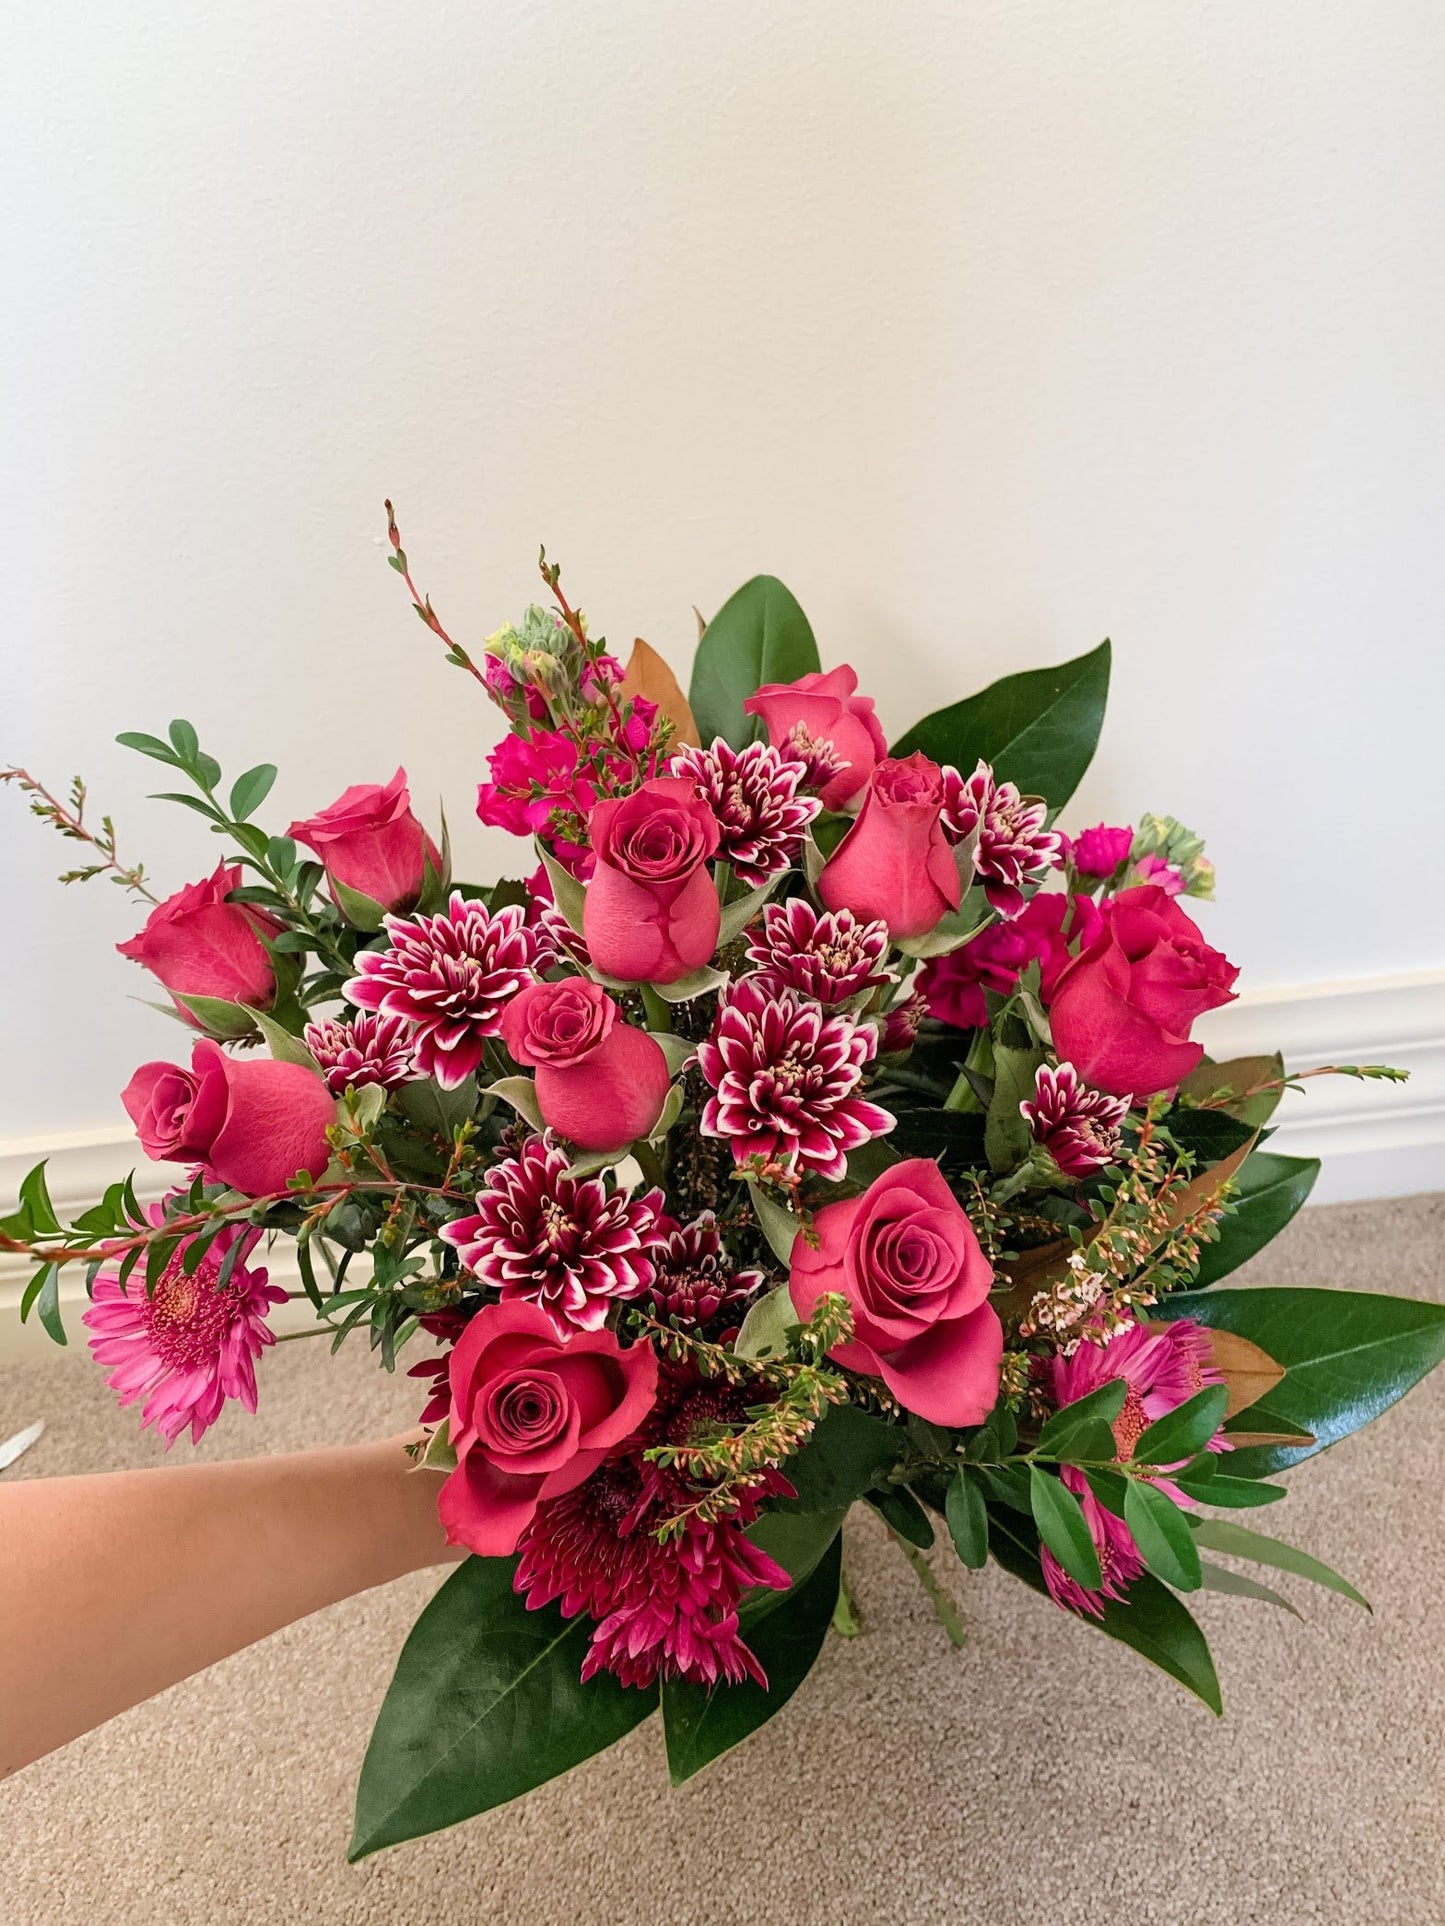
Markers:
point(992, 328)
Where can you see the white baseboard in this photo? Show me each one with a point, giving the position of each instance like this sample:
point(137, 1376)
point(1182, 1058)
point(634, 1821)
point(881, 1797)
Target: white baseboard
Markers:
point(1376, 1139)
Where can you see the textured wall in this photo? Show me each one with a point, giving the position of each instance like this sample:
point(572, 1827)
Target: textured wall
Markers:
point(992, 328)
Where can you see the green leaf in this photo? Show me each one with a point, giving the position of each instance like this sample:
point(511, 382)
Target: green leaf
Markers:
point(764, 1332)
point(1208, 1135)
point(521, 1094)
point(248, 792)
point(778, 1225)
point(284, 1047)
point(759, 635)
point(430, 1107)
point(678, 1051)
point(184, 740)
point(1064, 1528)
point(151, 746)
point(486, 1703)
point(1184, 1430)
point(1231, 1493)
point(701, 1724)
point(47, 1305)
point(1347, 1356)
point(1152, 1621)
point(361, 911)
point(967, 1517)
point(1084, 1429)
point(35, 1200)
point(1217, 1534)
point(1007, 1138)
point(569, 895)
point(1218, 1578)
point(1161, 1531)
point(737, 915)
point(1268, 1190)
point(696, 983)
point(218, 1017)
point(1038, 730)
point(898, 1507)
point(847, 1450)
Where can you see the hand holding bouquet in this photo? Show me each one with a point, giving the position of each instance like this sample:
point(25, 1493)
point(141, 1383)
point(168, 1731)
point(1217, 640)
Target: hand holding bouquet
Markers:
point(815, 1123)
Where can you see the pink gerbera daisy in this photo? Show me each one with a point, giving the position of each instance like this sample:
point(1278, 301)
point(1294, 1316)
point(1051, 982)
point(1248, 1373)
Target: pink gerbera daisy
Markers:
point(785, 1076)
point(449, 977)
point(190, 1344)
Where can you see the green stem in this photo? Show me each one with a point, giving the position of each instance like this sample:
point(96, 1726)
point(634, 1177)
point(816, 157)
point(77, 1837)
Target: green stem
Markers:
point(658, 1009)
point(847, 1618)
point(944, 1608)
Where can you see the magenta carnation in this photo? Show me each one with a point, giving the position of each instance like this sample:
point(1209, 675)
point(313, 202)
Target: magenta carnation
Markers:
point(1079, 1127)
point(1014, 848)
point(190, 1344)
point(1099, 851)
point(366, 1049)
point(694, 1282)
point(831, 957)
point(754, 793)
point(449, 977)
point(567, 1243)
point(785, 1075)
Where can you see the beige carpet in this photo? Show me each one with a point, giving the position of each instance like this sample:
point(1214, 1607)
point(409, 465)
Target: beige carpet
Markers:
point(1041, 1775)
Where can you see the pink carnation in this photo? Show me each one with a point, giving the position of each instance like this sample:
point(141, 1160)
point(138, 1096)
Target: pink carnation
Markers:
point(1099, 851)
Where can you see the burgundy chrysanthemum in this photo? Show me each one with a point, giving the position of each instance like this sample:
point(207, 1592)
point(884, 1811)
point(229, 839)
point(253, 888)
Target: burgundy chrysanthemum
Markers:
point(695, 1283)
point(785, 1074)
point(820, 760)
point(366, 1049)
point(669, 1608)
point(1079, 1127)
point(1014, 848)
point(567, 1243)
point(449, 977)
point(900, 1026)
point(754, 793)
point(829, 957)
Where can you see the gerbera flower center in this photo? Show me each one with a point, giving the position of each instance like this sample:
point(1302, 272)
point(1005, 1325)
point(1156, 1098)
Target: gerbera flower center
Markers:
point(1131, 1424)
point(186, 1317)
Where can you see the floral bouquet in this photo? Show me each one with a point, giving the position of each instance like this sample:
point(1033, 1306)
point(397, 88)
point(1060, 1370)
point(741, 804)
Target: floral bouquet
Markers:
point(817, 1123)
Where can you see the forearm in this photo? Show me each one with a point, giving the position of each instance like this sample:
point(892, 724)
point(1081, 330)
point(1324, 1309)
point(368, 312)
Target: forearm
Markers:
point(114, 1587)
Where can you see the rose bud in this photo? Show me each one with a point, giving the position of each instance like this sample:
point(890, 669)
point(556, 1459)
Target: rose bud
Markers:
point(1122, 1010)
point(198, 944)
point(251, 1125)
point(371, 843)
point(829, 711)
point(532, 1415)
point(651, 914)
point(906, 1258)
point(895, 864)
point(599, 1081)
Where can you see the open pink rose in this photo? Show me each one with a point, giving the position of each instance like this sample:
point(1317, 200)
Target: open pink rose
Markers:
point(905, 1256)
point(251, 1124)
point(829, 711)
point(532, 1415)
point(1122, 1010)
point(198, 944)
point(370, 842)
point(895, 865)
point(651, 913)
point(599, 1081)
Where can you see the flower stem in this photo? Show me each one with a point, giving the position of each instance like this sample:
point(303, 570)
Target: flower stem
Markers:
point(944, 1608)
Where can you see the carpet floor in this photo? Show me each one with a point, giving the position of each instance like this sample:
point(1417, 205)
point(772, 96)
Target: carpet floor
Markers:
point(1042, 1774)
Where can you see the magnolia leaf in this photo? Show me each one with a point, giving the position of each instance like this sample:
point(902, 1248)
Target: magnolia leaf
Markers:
point(736, 916)
point(521, 1094)
point(219, 1018)
point(361, 911)
point(778, 1225)
point(695, 983)
point(1268, 1191)
point(1247, 1371)
point(568, 894)
point(759, 635)
point(649, 676)
point(765, 1329)
point(284, 1047)
point(1222, 1086)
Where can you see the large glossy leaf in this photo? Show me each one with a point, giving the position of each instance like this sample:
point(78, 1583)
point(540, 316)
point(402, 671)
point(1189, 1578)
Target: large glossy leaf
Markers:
point(1347, 1356)
point(700, 1724)
point(759, 635)
point(1039, 729)
point(1153, 1621)
point(486, 1703)
point(841, 1459)
point(1268, 1191)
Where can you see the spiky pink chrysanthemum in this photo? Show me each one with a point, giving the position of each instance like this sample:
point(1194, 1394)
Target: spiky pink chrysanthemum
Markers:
point(1163, 1366)
point(1014, 847)
point(755, 793)
point(695, 1283)
point(190, 1344)
point(366, 1049)
point(662, 1608)
point(1077, 1126)
point(449, 977)
point(567, 1243)
point(785, 1075)
point(830, 957)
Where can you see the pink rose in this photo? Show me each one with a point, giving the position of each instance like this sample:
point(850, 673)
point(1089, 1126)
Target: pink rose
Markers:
point(532, 1415)
point(651, 913)
point(252, 1125)
point(905, 1256)
point(1121, 1010)
point(1100, 850)
point(370, 842)
point(198, 944)
point(895, 864)
point(599, 1081)
point(829, 711)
